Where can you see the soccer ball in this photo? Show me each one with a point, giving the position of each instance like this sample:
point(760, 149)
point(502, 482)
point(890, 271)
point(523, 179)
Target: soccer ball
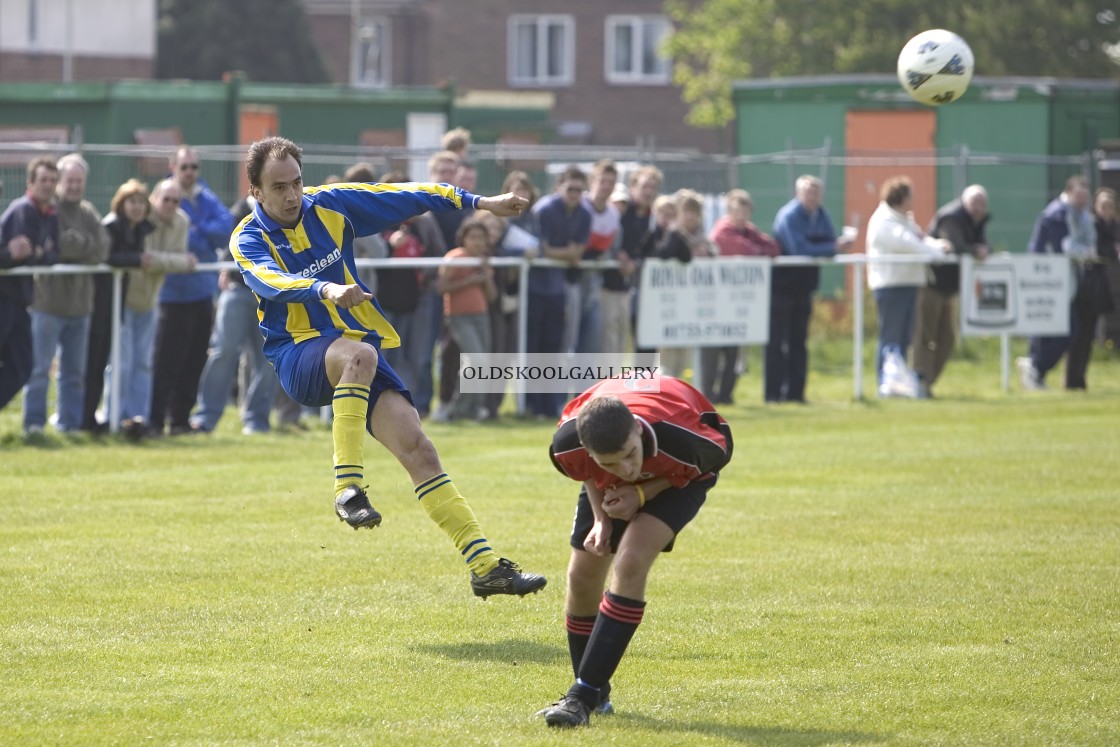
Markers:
point(935, 67)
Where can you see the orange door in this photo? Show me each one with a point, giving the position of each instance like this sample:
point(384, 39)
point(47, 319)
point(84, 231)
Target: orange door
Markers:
point(897, 143)
point(255, 122)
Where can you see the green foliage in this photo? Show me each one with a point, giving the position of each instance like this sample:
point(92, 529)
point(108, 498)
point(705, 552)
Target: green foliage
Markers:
point(720, 41)
point(267, 39)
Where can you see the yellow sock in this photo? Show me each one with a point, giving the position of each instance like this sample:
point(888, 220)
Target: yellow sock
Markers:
point(441, 499)
point(349, 430)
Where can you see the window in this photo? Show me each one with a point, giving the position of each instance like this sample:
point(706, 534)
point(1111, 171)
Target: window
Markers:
point(633, 52)
point(541, 50)
point(370, 55)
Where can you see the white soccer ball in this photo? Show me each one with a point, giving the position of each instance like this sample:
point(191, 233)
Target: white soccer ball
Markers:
point(935, 67)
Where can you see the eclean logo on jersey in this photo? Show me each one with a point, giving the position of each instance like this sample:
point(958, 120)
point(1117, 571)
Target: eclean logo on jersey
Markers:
point(321, 264)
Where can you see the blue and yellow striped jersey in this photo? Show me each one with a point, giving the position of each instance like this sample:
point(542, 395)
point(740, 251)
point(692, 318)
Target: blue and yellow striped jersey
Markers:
point(287, 267)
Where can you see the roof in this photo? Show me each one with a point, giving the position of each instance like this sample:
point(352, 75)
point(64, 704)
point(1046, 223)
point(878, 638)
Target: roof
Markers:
point(1041, 85)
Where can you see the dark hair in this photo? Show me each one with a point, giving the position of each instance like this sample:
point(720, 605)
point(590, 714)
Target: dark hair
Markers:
point(470, 224)
point(270, 147)
point(571, 173)
point(44, 161)
point(1077, 180)
point(604, 424)
point(515, 179)
point(359, 172)
point(895, 190)
point(393, 177)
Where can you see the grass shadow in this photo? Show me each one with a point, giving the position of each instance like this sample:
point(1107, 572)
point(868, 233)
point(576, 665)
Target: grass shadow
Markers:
point(753, 734)
point(505, 652)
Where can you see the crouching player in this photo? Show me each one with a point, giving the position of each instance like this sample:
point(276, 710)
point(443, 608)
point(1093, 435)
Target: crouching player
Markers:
point(647, 460)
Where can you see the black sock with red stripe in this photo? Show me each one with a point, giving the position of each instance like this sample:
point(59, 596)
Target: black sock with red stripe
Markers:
point(579, 633)
point(618, 619)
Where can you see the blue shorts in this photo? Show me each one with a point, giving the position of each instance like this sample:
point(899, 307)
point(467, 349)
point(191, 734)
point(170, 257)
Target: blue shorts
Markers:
point(303, 374)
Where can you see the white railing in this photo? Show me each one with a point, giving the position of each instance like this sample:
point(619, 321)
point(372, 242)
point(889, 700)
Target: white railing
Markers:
point(856, 261)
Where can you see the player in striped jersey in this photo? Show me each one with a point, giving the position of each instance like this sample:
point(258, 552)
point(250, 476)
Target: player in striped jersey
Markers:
point(323, 332)
point(647, 457)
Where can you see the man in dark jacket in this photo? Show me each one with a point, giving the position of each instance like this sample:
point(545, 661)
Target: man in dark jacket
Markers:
point(802, 228)
point(1066, 227)
point(186, 301)
point(28, 236)
point(962, 223)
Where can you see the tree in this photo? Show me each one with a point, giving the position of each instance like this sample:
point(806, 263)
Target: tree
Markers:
point(720, 41)
point(268, 39)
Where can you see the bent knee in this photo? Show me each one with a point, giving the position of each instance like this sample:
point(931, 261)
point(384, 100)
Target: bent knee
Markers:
point(362, 361)
point(632, 569)
point(583, 590)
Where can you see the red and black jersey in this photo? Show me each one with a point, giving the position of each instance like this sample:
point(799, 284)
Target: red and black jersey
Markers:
point(683, 437)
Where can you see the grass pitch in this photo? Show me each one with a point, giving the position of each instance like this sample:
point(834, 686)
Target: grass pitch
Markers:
point(940, 572)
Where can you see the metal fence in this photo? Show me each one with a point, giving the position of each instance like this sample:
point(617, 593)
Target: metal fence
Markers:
point(857, 262)
point(768, 176)
point(1019, 185)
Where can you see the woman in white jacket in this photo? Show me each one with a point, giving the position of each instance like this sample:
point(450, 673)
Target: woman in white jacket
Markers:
point(891, 231)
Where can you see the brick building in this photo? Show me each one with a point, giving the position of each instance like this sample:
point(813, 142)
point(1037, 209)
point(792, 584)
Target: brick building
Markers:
point(58, 40)
point(597, 57)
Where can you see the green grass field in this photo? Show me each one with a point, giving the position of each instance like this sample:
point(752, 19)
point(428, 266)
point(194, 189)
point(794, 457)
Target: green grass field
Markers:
point(898, 572)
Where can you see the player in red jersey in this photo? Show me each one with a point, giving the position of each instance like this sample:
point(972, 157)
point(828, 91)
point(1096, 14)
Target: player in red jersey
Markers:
point(647, 460)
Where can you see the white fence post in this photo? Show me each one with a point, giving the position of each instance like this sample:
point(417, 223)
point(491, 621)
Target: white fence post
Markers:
point(522, 325)
point(857, 331)
point(1005, 362)
point(115, 354)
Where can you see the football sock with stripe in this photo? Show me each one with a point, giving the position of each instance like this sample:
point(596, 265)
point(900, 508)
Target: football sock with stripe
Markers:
point(618, 619)
point(447, 508)
point(579, 633)
point(351, 402)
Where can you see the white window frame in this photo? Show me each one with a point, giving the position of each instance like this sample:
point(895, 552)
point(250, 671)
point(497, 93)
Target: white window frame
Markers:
point(357, 67)
point(542, 23)
point(638, 77)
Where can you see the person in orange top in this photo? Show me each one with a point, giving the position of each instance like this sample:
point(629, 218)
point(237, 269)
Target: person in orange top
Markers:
point(467, 292)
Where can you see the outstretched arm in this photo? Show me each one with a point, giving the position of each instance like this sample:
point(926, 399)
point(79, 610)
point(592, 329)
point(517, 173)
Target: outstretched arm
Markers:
point(503, 206)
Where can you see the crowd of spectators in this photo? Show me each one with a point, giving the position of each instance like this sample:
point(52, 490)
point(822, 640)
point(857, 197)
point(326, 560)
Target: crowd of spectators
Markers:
point(190, 346)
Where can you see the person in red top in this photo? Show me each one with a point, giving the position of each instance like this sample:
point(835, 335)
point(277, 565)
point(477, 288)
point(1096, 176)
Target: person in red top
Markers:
point(734, 236)
point(647, 457)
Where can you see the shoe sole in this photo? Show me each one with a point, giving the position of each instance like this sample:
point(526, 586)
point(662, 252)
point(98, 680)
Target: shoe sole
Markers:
point(485, 594)
point(563, 723)
point(370, 523)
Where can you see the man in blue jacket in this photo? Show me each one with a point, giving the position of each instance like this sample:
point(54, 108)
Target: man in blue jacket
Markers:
point(803, 229)
point(186, 302)
point(28, 236)
point(1065, 226)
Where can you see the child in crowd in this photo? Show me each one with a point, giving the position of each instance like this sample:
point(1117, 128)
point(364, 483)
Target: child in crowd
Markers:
point(467, 292)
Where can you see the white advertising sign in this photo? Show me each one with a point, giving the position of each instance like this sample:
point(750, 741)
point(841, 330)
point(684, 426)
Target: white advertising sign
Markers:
point(1017, 294)
point(705, 303)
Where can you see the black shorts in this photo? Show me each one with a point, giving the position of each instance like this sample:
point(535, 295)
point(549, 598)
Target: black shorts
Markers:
point(675, 506)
